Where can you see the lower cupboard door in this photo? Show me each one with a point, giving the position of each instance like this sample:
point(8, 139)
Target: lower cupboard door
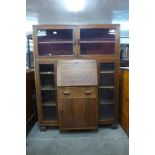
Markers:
point(78, 113)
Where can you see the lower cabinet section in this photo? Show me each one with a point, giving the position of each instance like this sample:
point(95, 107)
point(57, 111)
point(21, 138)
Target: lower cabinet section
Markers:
point(78, 112)
point(75, 94)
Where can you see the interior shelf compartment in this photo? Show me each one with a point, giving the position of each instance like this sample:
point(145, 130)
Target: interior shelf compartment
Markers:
point(47, 81)
point(106, 67)
point(106, 111)
point(106, 96)
point(43, 68)
point(55, 49)
point(97, 48)
point(55, 35)
point(48, 98)
point(107, 79)
point(97, 34)
point(49, 113)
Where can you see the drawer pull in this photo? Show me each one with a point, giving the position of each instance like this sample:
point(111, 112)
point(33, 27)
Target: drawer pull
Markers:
point(88, 92)
point(66, 92)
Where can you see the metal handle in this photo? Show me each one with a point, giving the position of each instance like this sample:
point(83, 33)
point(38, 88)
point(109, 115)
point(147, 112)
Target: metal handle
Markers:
point(88, 92)
point(66, 92)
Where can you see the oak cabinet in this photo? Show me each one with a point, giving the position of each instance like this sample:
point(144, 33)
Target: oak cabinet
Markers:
point(99, 42)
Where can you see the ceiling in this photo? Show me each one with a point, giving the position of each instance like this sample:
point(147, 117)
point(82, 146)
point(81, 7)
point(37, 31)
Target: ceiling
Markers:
point(78, 12)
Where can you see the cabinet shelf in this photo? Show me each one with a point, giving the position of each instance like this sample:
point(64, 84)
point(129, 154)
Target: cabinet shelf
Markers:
point(48, 103)
point(46, 72)
point(106, 102)
point(55, 42)
point(47, 88)
point(98, 41)
point(106, 72)
point(109, 87)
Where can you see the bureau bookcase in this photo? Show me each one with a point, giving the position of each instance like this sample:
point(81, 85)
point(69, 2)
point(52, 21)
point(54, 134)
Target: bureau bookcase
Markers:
point(99, 42)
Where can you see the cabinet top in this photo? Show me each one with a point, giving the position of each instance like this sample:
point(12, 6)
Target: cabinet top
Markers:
point(44, 26)
point(77, 73)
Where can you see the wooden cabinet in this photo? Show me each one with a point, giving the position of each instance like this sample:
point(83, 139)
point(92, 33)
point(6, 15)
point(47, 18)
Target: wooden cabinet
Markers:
point(31, 108)
point(85, 42)
point(124, 99)
point(77, 87)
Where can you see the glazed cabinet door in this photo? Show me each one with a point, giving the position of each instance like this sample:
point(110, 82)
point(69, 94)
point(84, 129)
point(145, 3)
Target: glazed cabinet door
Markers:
point(97, 41)
point(78, 113)
point(108, 91)
point(46, 92)
point(54, 41)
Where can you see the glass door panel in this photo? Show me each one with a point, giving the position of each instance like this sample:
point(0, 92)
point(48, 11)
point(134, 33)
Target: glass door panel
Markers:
point(55, 42)
point(97, 41)
point(106, 90)
point(48, 91)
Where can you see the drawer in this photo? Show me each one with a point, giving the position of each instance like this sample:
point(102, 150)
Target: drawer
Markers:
point(78, 92)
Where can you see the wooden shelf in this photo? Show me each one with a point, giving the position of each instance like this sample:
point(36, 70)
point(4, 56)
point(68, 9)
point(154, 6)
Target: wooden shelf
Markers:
point(47, 88)
point(55, 42)
point(48, 104)
point(106, 102)
point(98, 41)
point(109, 87)
point(46, 72)
point(105, 72)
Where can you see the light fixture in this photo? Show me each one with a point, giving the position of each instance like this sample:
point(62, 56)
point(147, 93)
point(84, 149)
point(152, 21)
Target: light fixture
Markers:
point(75, 5)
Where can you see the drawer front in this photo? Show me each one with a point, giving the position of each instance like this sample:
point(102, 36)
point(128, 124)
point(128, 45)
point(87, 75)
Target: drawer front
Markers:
point(77, 92)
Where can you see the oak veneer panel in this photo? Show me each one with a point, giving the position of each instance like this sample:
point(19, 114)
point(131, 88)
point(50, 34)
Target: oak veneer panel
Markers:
point(76, 73)
point(78, 113)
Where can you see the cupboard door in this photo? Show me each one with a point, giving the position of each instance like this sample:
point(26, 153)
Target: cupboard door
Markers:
point(78, 113)
point(99, 41)
point(54, 41)
point(107, 90)
point(46, 89)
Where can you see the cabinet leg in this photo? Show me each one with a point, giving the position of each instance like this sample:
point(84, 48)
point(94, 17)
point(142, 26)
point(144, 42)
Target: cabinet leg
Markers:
point(114, 126)
point(43, 128)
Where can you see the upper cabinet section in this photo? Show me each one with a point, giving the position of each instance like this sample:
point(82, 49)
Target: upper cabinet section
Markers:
point(76, 41)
